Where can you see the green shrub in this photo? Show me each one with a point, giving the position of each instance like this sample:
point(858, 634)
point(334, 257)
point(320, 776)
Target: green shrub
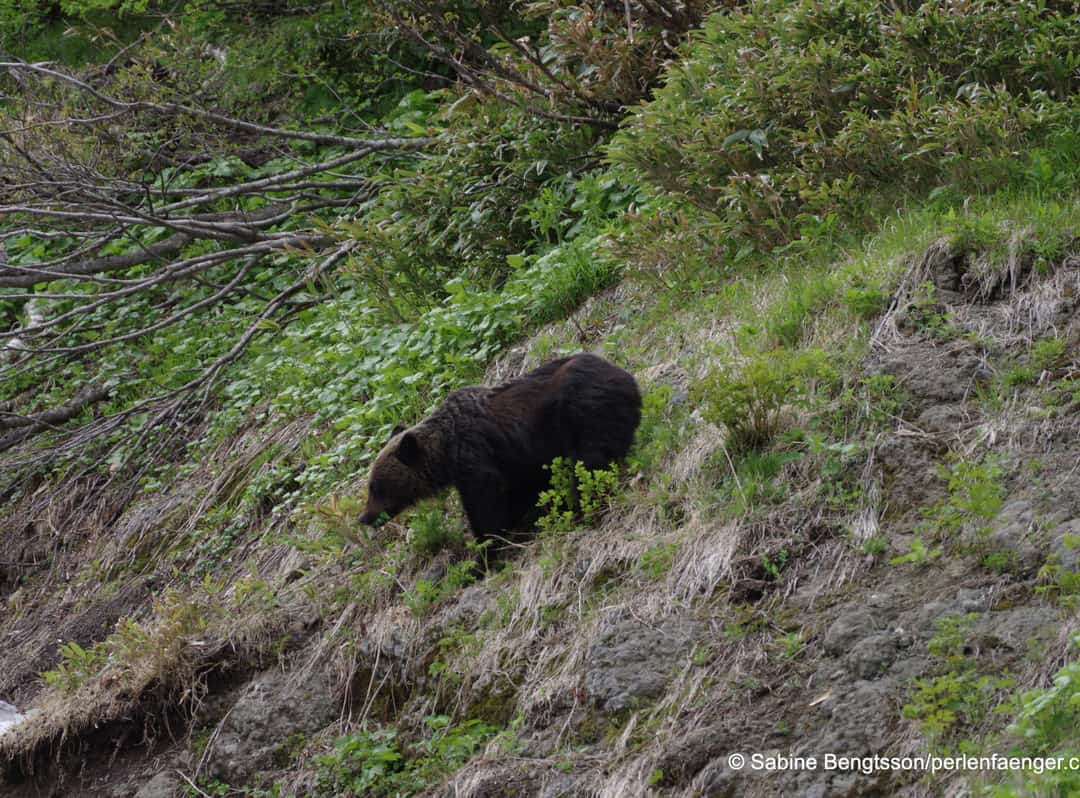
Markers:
point(432, 531)
point(784, 116)
point(919, 554)
point(807, 296)
point(1048, 353)
point(428, 594)
point(960, 698)
point(1046, 722)
point(656, 561)
point(975, 490)
point(976, 494)
point(865, 303)
point(661, 430)
point(373, 762)
point(947, 705)
point(756, 480)
point(1058, 582)
point(1019, 376)
point(77, 666)
point(746, 397)
point(575, 491)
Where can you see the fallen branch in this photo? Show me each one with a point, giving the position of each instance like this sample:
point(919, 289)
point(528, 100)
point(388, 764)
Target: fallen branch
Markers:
point(28, 426)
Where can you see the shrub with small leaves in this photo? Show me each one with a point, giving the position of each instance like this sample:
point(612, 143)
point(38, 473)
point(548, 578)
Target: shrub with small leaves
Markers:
point(1048, 353)
point(432, 531)
point(746, 397)
point(960, 697)
point(576, 491)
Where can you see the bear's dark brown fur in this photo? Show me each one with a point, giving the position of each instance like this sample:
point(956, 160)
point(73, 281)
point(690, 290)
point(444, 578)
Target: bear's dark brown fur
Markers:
point(492, 443)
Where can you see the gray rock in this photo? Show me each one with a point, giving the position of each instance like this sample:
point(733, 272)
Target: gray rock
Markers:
point(1066, 545)
point(933, 375)
point(1013, 631)
point(718, 780)
point(688, 754)
point(855, 719)
point(1014, 539)
point(849, 628)
point(944, 266)
point(164, 785)
point(942, 419)
point(671, 374)
point(471, 603)
point(923, 622)
point(901, 454)
point(630, 662)
point(856, 725)
point(872, 656)
point(9, 716)
point(1019, 512)
point(911, 472)
point(514, 779)
point(559, 786)
point(881, 601)
point(271, 710)
point(904, 671)
point(1013, 533)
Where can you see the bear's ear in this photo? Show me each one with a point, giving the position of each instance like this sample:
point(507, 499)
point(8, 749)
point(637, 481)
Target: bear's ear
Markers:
point(397, 430)
point(408, 450)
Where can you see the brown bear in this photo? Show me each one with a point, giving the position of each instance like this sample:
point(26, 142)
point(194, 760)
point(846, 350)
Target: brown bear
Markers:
point(492, 443)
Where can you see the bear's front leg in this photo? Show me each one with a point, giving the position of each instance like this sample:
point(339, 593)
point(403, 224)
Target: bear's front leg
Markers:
point(487, 505)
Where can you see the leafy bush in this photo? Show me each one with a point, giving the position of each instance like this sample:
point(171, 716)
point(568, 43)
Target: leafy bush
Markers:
point(656, 561)
point(756, 479)
point(746, 397)
point(866, 303)
point(787, 320)
point(959, 699)
point(372, 762)
point(428, 594)
point(496, 183)
point(976, 494)
point(784, 114)
point(432, 531)
point(77, 666)
point(575, 491)
point(662, 427)
point(1058, 582)
point(919, 554)
point(1048, 353)
point(1045, 724)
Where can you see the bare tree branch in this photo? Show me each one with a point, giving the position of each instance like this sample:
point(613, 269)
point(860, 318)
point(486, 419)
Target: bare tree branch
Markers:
point(177, 109)
point(28, 426)
point(206, 238)
point(162, 249)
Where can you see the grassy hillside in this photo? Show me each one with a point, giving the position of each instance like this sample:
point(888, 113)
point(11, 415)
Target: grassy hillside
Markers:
point(837, 243)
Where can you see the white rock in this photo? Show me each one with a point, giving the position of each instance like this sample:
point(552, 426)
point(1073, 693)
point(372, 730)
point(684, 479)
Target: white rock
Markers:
point(9, 716)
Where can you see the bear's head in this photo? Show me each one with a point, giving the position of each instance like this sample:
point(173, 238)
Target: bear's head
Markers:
point(399, 478)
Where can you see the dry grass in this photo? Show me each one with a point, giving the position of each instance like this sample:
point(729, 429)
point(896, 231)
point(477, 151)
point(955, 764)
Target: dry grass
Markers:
point(160, 650)
point(153, 666)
